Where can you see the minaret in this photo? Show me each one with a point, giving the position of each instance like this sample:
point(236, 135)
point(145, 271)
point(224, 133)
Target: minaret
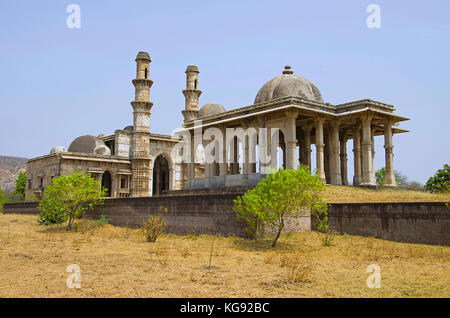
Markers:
point(140, 159)
point(191, 93)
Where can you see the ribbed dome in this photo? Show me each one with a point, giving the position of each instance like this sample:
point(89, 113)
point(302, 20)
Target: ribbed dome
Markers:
point(85, 144)
point(288, 84)
point(210, 109)
point(143, 56)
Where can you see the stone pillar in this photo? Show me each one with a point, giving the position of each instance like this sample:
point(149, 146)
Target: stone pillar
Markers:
point(223, 163)
point(357, 176)
point(190, 173)
point(235, 155)
point(373, 150)
point(246, 149)
point(343, 157)
point(291, 141)
point(389, 178)
point(335, 167)
point(366, 152)
point(306, 146)
point(319, 148)
point(140, 157)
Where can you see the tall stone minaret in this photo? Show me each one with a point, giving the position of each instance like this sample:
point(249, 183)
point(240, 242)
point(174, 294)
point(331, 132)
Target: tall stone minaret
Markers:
point(191, 93)
point(140, 158)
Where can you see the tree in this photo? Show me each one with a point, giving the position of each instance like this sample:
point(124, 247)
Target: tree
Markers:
point(400, 179)
point(440, 182)
point(21, 183)
point(3, 199)
point(285, 193)
point(69, 197)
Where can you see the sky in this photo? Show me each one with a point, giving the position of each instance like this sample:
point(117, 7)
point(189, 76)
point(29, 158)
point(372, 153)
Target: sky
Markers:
point(58, 83)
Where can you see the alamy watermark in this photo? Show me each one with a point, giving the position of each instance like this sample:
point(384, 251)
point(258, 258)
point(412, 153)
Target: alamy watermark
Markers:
point(74, 279)
point(374, 279)
point(74, 19)
point(374, 19)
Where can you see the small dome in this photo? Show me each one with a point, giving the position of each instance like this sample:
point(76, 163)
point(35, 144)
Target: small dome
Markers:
point(210, 109)
point(288, 84)
point(192, 68)
point(128, 128)
point(85, 144)
point(102, 150)
point(143, 56)
point(57, 149)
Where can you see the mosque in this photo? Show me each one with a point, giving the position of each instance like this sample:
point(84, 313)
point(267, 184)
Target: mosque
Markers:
point(287, 118)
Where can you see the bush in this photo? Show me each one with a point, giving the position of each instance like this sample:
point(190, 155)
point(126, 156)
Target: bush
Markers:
point(440, 182)
point(153, 227)
point(102, 220)
point(21, 183)
point(69, 197)
point(3, 199)
point(285, 193)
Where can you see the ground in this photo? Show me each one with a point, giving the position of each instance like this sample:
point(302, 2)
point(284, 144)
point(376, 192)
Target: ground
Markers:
point(118, 262)
point(346, 194)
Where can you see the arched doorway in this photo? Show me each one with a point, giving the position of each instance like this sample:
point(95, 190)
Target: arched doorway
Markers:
point(160, 175)
point(106, 183)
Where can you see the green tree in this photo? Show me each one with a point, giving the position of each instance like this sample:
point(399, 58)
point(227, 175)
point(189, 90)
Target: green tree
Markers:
point(440, 182)
point(379, 174)
point(284, 193)
point(3, 199)
point(69, 197)
point(21, 183)
point(400, 179)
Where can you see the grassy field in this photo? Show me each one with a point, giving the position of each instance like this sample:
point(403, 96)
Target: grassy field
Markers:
point(342, 194)
point(118, 262)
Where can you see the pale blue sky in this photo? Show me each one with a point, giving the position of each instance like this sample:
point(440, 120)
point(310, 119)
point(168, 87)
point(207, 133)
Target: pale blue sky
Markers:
point(58, 83)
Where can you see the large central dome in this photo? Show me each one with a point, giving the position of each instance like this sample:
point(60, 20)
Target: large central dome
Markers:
point(288, 84)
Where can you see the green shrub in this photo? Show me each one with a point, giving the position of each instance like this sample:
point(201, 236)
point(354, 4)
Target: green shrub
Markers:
point(153, 227)
point(285, 193)
point(69, 197)
point(440, 182)
point(103, 220)
point(3, 199)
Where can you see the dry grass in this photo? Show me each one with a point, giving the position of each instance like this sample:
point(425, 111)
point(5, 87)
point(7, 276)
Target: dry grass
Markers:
point(345, 194)
point(118, 262)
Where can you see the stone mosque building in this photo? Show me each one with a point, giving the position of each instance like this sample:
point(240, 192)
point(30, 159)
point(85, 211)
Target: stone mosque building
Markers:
point(134, 162)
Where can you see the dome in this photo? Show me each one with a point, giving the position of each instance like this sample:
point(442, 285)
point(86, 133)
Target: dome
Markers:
point(288, 84)
point(210, 109)
point(128, 128)
point(143, 56)
point(85, 144)
point(57, 149)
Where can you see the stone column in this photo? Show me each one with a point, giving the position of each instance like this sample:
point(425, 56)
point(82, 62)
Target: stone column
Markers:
point(335, 168)
point(306, 146)
point(366, 152)
point(389, 178)
point(319, 148)
point(235, 156)
point(191, 164)
point(246, 149)
point(223, 158)
point(343, 157)
point(291, 141)
point(373, 150)
point(357, 156)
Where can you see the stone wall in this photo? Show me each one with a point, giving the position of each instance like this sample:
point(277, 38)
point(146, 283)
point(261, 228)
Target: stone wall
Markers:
point(412, 222)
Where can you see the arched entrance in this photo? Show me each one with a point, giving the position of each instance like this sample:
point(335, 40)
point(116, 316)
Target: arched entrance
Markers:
point(106, 183)
point(160, 175)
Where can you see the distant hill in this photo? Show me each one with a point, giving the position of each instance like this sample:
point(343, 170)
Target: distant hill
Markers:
point(10, 167)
